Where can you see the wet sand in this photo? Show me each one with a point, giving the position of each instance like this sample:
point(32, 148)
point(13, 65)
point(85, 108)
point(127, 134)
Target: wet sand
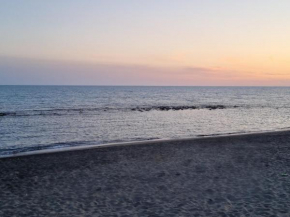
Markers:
point(245, 175)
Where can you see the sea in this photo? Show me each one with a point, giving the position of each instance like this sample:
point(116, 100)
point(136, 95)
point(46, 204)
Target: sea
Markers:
point(50, 117)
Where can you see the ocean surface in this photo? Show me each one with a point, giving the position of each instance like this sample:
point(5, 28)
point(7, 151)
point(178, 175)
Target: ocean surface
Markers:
point(49, 117)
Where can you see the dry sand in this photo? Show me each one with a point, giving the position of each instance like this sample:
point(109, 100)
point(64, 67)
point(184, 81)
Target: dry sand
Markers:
point(246, 175)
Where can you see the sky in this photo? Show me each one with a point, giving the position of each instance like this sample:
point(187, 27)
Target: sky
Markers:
point(152, 42)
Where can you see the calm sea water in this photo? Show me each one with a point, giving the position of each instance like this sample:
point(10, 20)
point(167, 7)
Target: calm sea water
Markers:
point(45, 117)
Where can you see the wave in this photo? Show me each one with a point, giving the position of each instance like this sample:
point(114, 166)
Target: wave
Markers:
point(60, 145)
point(69, 111)
point(11, 151)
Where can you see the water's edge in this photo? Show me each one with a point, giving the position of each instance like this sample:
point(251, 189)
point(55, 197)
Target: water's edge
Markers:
point(143, 142)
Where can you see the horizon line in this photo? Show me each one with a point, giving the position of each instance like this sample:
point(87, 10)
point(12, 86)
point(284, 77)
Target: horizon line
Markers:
point(112, 85)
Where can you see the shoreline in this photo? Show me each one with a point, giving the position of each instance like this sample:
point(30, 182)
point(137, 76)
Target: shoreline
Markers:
point(143, 142)
point(237, 175)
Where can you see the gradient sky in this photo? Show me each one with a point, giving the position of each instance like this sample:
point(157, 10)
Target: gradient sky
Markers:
point(152, 42)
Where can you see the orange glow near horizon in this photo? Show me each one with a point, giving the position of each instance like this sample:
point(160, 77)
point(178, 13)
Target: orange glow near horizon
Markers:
point(222, 42)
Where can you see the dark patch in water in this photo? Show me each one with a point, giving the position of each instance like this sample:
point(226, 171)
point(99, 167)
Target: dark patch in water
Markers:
point(84, 111)
point(2, 114)
point(164, 108)
point(213, 107)
point(180, 108)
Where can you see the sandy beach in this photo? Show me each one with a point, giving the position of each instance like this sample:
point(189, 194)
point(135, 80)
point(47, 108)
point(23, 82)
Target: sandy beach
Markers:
point(240, 175)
